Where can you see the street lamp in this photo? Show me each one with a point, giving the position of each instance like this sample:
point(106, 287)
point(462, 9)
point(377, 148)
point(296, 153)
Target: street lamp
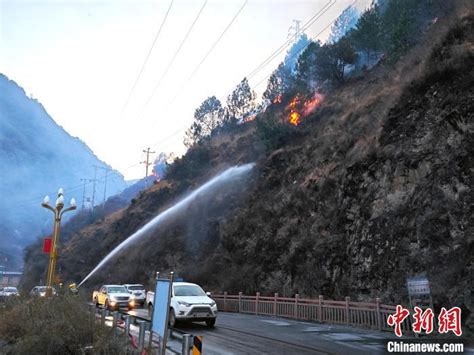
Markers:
point(53, 254)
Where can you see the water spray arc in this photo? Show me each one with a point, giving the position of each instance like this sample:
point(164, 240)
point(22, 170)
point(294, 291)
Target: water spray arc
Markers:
point(225, 177)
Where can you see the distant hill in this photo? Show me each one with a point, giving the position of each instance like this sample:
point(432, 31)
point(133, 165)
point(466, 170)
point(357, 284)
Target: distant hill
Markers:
point(37, 157)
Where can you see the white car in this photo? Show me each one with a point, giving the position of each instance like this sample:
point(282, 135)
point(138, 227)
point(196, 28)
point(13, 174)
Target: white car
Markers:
point(137, 293)
point(188, 303)
point(112, 297)
point(40, 291)
point(8, 291)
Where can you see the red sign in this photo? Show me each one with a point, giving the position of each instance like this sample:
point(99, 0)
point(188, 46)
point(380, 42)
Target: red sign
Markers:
point(47, 245)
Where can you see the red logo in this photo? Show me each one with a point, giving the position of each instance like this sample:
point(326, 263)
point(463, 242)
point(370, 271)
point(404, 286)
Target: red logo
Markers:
point(397, 319)
point(423, 320)
point(450, 321)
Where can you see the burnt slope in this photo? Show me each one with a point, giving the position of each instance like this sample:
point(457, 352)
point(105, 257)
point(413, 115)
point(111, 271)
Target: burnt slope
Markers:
point(376, 193)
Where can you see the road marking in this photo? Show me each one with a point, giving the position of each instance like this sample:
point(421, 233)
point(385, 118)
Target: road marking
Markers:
point(276, 322)
point(344, 337)
point(314, 329)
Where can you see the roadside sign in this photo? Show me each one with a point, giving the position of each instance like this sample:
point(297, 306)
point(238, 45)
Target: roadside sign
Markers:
point(418, 286)
point(161, 306)
point(47, 245)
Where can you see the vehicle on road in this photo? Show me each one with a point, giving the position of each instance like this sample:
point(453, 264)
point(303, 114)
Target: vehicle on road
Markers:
point(137, 293)
point(112, 297)
point(8, 291)
point(40, 291)
point(188, 303)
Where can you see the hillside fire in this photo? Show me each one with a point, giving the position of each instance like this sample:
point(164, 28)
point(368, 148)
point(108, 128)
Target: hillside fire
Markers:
point(307, 108)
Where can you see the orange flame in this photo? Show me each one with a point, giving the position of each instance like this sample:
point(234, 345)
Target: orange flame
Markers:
point(277, 100)
point(310, 105)
point(294, 118)
point(250, 117)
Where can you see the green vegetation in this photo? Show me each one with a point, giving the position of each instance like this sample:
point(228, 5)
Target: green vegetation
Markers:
point(59, 325)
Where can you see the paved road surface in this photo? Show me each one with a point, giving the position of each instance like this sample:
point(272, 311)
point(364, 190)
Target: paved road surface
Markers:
point(236, 333)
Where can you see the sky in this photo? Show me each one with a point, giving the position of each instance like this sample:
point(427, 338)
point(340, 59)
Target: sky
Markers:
point(81, 59)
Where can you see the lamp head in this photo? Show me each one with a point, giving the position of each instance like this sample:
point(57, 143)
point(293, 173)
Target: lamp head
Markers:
point(60, 191)
point(46, 200)
point(60, 201)
point(73, 202)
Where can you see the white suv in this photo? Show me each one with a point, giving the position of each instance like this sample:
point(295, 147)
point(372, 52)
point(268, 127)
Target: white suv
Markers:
point(189, 302)
point(137, 293)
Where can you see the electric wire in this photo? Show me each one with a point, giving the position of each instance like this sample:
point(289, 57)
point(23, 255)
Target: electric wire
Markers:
point(314, 38)
point(173, 59)
point(280, 49)
point(147, 57)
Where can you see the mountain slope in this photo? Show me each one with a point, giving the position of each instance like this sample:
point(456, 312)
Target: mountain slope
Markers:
point(374, 187)
point(37, 157)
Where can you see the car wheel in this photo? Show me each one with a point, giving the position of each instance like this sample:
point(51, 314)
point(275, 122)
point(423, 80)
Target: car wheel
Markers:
point(150, 310)
point(211, 322)
point(172, 318)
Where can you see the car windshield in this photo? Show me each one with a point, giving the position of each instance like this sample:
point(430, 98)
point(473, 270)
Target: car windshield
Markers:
point(136, 288)
point(188, 290)
point(42, 289)
point(117, 289)
point(10, 289)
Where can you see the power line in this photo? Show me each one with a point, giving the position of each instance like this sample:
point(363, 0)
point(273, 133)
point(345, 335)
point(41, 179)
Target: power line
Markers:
point(314, 38)
point(183, 84)
point(218, 40)
point(173, 58)
point(289, 41)
point(147, 57)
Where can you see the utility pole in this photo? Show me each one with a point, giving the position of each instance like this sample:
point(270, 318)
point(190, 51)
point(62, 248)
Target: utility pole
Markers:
point(83, 192)
point(147, 162)
point(93, 185)
point(106, 174)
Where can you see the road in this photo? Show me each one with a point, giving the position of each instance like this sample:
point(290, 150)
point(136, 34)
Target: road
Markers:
point(237, 333)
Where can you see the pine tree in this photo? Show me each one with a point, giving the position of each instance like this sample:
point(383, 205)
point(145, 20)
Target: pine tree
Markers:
point(367, 35)
point(207, 119)
point(240, 102)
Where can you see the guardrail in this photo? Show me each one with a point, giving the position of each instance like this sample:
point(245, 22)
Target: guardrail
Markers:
point(122, 322)
point(371, 315)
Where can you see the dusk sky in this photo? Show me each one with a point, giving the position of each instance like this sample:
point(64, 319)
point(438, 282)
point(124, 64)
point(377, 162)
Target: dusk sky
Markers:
point(80, 59)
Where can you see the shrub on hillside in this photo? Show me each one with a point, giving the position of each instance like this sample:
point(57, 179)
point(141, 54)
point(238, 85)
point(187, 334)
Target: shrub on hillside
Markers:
point(59, 325)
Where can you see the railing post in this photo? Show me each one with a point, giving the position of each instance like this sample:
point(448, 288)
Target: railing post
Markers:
point(320, 308)
point(275, 303)
point(347, 310)
point(240, 302)
point(141, 335)
point(127, 326)
point(225, 301)
point(256, 302)
point(186, 345)
point(378, 316)
point(297, 296)
point(115, 316)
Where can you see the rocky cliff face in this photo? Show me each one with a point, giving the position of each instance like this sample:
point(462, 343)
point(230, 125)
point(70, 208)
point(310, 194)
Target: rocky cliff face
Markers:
point(381, 190)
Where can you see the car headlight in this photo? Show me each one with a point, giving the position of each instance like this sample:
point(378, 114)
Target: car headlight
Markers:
point(185, 304)
point(112, 298)
point(212, 304)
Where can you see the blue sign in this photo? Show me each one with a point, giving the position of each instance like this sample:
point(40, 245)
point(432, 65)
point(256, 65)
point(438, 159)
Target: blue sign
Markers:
point(161, 307)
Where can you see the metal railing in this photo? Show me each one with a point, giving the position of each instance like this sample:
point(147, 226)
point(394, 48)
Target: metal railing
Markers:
point(121, 323)
point(371, 315)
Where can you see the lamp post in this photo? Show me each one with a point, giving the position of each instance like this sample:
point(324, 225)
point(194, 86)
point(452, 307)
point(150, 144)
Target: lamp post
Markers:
point(53, 254)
